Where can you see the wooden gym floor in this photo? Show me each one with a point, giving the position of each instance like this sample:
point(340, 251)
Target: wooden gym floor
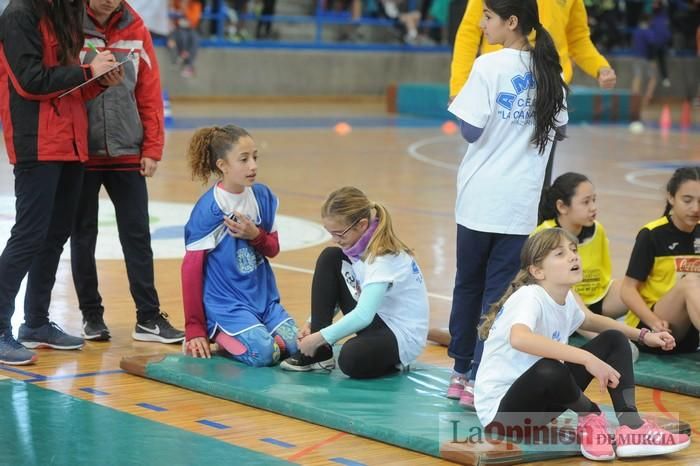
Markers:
point(409, 167)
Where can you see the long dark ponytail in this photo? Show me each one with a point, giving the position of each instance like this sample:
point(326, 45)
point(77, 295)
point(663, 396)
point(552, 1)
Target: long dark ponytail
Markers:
point(545, 63)
point(680, 176)
point(66, 18)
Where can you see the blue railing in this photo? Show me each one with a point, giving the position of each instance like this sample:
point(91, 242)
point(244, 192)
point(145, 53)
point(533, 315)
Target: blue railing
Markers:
point(320, 19)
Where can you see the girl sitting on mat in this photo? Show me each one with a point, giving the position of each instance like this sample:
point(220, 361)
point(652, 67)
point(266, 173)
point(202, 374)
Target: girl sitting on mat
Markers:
point(375, 282)
point(662, 283)
point(228, 288)
point(529, 375)
point(570, 203)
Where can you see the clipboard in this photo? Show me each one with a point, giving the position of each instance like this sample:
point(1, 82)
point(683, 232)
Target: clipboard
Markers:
point(129, 57)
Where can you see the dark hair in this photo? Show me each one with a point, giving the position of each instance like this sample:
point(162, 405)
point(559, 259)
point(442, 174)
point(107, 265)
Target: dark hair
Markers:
point(563, 189)
point(546, 67)
point(66, 20)
point(209, 145)
point(680, 176)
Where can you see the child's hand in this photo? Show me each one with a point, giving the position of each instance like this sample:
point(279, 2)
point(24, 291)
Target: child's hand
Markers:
point(663, 340)
point(242, 227)
point(660, 326)
point(198, 347)
point(310, 343)
point(304, 331)
point(607, 376)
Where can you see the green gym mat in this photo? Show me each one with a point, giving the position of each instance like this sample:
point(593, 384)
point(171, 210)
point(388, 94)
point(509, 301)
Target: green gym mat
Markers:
point(679, 373)
point(40, 427)
point(408, 410)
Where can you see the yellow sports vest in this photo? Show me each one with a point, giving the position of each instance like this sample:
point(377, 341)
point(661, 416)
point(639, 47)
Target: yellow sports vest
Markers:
point(595, 261)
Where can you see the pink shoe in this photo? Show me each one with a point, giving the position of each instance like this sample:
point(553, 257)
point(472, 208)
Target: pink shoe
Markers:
point(467, 398)
point(596, 442)
point(648, 440)
point(457, 384)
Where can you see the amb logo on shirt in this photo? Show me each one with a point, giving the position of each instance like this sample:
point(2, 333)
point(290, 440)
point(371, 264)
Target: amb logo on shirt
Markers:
point(556, 336)
point(518, 109)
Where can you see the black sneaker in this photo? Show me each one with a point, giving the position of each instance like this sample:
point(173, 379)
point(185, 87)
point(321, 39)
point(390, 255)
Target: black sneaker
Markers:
point(94, 329)
point(48, 336)
point(321, 361)
point(157, 329)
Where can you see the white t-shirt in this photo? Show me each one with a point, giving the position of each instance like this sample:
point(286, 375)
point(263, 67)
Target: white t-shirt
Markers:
point(501, 364)
point(244, 203)
point(404, 308)
point(500, 177)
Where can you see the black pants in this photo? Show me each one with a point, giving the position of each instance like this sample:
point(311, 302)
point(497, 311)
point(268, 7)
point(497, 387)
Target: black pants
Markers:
point(46, 200)
point(127, 190)
point(374, 351)
point(550, 387)
point(264, 26)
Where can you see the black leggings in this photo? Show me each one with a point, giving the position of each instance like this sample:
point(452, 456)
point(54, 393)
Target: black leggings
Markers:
point(550, 387)
point(374, 351)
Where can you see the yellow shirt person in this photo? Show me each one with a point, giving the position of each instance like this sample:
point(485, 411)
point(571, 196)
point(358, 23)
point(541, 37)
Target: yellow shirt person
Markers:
point(565, 20)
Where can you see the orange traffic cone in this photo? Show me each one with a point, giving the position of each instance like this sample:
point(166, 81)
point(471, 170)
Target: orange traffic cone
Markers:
point(665, 121)
point(686, 116)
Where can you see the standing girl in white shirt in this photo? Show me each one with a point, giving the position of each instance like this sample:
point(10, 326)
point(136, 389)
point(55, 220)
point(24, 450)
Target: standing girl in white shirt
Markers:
point(529, 374)
point(373, 279)
point(510, 111)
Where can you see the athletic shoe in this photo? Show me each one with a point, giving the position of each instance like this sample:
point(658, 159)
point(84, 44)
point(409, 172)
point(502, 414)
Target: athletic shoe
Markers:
point(456, 387)
point(648, 440)
point(94, 329)
point(467, 398)
point(321, 361)
point(13, 353)
point(158, 330)
point(596, 442)
point(48, 336)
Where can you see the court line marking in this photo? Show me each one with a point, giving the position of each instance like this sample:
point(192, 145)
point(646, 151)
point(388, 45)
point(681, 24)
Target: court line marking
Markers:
point(215, 425)
point(151, 407)
point(93, 391)
point(278, 443)
point(414, 151)
point(656, 397)
point(311, 448)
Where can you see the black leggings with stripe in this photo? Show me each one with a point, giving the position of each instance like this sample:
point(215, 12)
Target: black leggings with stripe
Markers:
point(374, 351)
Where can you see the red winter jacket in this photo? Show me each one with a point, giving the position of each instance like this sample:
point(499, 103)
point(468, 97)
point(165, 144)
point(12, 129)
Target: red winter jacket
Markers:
point(37, 125)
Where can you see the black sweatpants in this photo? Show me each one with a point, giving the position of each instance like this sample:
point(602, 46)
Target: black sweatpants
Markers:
point(550, 387)
point(46, 201)
point(128, 192)
point(374, 351)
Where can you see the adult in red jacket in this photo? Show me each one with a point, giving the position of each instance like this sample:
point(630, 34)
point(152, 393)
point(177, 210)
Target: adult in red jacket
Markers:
point(46, 138)
point(125, 143)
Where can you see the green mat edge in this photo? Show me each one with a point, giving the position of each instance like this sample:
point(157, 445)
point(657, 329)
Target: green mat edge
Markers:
point(259, 458)
point(333, 420)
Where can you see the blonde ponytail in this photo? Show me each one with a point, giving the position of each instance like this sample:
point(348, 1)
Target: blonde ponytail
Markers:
point(534, 252)
point(351, 205)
